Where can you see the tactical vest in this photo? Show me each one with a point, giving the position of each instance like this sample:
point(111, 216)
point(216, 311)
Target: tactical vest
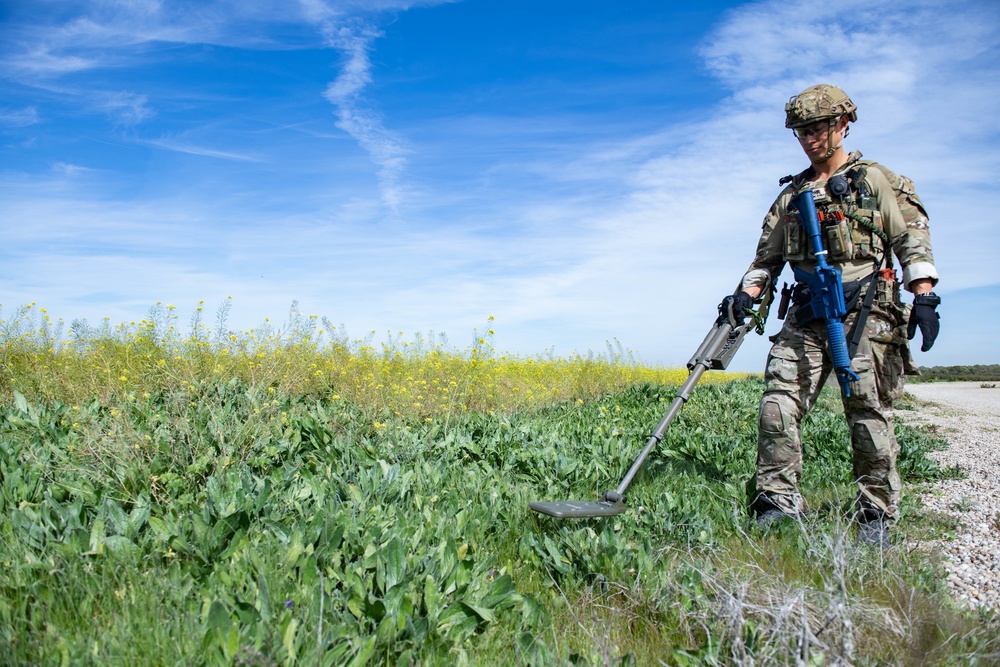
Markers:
point(850, 221)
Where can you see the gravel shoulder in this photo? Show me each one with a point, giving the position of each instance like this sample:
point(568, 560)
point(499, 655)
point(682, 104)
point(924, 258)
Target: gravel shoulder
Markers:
point(967, 415)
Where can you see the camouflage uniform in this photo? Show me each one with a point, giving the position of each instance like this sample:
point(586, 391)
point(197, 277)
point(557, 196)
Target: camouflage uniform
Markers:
point(799, 361)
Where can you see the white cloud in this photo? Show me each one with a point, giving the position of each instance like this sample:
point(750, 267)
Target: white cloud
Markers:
point(191, 149)
point(69, 169)
point(19, 117)
point(127, 108)
point(114, 33)
point(355, 118)
point(41, 61)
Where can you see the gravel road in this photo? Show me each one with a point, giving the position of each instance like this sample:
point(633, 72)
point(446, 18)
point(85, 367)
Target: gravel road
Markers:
point(967, 414)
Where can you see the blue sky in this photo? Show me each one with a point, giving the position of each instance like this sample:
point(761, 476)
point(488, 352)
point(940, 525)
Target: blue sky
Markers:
point(582, 171)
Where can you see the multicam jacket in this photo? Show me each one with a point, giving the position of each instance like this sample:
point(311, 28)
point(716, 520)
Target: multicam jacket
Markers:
point(880, 208)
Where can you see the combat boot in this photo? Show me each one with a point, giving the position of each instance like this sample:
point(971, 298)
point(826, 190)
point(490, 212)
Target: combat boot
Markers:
point(768, 512)
point(873, 529)
point(771, 517)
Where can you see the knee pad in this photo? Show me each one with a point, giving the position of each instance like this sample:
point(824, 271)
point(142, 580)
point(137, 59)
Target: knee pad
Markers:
point(776, 413)
point(862, 440)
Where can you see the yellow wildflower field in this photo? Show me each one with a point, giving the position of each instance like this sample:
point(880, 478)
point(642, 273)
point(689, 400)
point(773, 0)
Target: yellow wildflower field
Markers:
point(417, 377)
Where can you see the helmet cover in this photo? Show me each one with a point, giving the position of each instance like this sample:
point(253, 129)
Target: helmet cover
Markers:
point(819, 102)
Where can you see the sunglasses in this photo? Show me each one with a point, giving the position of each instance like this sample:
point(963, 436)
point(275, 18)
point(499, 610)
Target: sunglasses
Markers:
point(816, 129)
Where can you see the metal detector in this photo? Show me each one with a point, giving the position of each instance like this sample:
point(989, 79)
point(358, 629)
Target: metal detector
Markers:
point(714, 353)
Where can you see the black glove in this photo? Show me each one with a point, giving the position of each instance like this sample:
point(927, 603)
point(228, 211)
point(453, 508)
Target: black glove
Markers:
point(924, 315)
point(734, 308)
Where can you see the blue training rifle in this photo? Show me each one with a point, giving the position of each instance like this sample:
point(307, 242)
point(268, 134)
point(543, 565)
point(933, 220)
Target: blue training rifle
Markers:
point(826, 292)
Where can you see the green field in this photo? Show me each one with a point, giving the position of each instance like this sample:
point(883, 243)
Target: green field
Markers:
point(173, 496)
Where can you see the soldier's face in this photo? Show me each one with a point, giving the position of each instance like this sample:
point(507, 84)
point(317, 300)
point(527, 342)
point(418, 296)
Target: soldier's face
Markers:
point(815, 138)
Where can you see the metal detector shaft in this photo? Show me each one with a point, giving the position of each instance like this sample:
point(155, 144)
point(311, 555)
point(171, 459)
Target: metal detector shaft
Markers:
point(714, 342)
point(715, 353)
point(657, 435)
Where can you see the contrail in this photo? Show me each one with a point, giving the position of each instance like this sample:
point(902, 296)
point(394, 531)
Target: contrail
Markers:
point(358, 120)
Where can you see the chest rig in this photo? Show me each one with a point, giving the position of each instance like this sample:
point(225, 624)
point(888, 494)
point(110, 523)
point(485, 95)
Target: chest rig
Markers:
point(850, 222)
point(851, 230)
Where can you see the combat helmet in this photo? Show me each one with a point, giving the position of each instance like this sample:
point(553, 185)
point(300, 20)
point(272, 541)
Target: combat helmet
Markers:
point(819, 102)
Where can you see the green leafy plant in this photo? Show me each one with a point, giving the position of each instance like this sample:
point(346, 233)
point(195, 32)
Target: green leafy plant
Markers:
point(201, 513)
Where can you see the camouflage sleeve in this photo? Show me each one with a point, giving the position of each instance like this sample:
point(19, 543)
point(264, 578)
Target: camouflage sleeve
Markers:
point(769, 260)
point(910, 240)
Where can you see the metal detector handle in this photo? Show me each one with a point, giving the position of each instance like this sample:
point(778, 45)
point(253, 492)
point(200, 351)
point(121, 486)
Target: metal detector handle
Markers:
point(721, 343)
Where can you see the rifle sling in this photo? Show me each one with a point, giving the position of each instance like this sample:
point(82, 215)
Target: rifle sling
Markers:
point(866, 309)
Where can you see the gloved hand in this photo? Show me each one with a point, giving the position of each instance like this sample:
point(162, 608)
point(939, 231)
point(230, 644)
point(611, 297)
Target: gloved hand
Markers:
point(734, 308)
point(924, 315)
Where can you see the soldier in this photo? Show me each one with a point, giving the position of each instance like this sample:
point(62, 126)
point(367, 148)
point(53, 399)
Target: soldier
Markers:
point(867, 214)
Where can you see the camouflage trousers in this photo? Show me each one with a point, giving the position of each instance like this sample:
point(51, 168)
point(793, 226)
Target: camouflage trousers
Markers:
point(797, 367)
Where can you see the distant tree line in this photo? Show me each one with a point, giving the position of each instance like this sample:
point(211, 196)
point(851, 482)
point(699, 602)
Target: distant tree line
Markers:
point(981, 372)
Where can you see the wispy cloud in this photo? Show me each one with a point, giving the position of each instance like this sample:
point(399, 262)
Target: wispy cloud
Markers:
point(18, 117)
point(41, 61)
point(86, 36)
point(358, 120)
point(173, 145)
point(127, 108)
point(118, 33)
point(69, 169)
point(345, 26)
